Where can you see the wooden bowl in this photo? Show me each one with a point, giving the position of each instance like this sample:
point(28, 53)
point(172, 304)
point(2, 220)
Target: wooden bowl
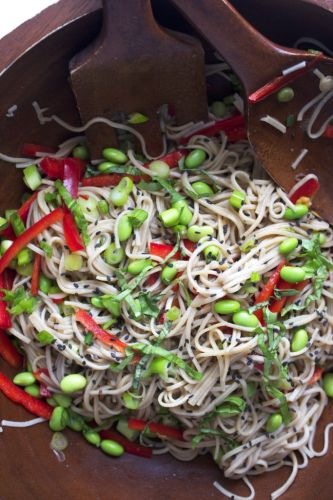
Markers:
point(33, 66)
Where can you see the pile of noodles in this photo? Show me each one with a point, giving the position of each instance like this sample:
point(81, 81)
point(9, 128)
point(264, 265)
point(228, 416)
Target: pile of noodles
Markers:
point(229, 360)
point(227, 355)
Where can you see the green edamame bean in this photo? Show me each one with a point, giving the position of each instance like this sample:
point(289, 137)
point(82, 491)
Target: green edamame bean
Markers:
point(113, 255)
point(125, 228)
point(33, 390)
point(118, 197)
point(180, 229)
point(219, 109)
point(227, 306)
point(81, 152)
point(73, 383)
point(292, 274)
point(59, 419)
point(185, 214)
point(328, 384)
point(202, 189)
point(170, 217)
point(298, 212)
point(299, 340)
point(45, 284)
point(288, 245)
point(106, 166)
point(92, 437)
point(244, 318)
point(103, 207)
point(195, 233)
point(112, 448)
point(195, 158)
point(137, 266)
point(273, 422)
point(126, 184)
point(115, 155)
point(285, 95)
point(75, 422)
point(211, 253)
point(169, 272)
point(24, 379)
point(63, 400)
point(173, 314)
point(322, 239)
point(160, 169)
point(237, 199)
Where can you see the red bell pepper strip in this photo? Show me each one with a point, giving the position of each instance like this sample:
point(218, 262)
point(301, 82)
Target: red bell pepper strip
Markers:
point(160, 429)
point(29, 234)
point(35, 275)
point(5, 321)
point(73, 169)
point(38, 374)
point(172, 158)
point(227, 125)
point(328, 132)
point(108, 180)
point(307, 189)
point(162, 250)
point(9, 352)
point(23, 212)
point(129, 446)
point(8, 278)
point(317, 374)
point(190, 245)
point(281, 81)
point(53, 167)
point(18, 395)
point(268, 289)
point(31, 150)
point(102, 335)
point(72, 236)
point(298, 286)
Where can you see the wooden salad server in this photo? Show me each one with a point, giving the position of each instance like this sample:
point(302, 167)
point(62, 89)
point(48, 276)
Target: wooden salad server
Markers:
point(259, 63)
point(135, 66)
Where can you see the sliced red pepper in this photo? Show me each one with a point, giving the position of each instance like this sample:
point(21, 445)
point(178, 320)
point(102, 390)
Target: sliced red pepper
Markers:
point(53, 167)
point(281, 81)
point(160, 429)
point(72, 236)
point(298, 286)
point(152, 278)
point(19, 396)
point(268, 289)
point(31, 150)
point(35, 275)
point(72, 171)
point(5, 321)
point(328, 132)
point(91, 326)
point(23, 212)
point(108, 180)
point(317, 374)
point(129, 446)
point(29, 234)
point(236, 134)
point(172, 158)
point(227, 125)
point(38, 374)
point(9, 352)
point(308, 189)
point(8, 278)
point(190, 245)
point(162, 250)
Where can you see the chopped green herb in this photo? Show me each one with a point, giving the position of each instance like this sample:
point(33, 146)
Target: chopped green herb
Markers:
point(75, 208)
point(89, 339)
point(47, 249)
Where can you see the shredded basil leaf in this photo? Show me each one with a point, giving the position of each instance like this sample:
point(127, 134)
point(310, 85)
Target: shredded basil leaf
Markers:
point(89, 338)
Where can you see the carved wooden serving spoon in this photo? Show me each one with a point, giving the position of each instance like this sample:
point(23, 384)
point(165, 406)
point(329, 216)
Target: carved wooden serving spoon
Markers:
point(260, 64)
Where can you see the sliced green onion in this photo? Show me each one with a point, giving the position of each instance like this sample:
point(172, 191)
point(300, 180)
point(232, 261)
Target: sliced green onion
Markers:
point(17, 223)
point(45, 337)
point(130, 402)
point(3, 223)
point(59, 441)
point(136, 118)
point(237, 199)
point(45, 284)
point(173, 314)
point(47, 249)
point(25, 256)
point(73, 262)
point(89, 207)
point(103, 207)
point(32, 177)
point(255, 277)
point(247, 246)
point(137, 217)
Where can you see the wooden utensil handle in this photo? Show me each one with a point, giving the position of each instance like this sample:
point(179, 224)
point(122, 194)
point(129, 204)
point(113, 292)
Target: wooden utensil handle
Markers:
point(127, 18)
point(248, 52)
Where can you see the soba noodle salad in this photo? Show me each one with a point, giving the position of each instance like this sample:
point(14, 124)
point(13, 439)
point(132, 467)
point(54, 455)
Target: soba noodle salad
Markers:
point(182, 305)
